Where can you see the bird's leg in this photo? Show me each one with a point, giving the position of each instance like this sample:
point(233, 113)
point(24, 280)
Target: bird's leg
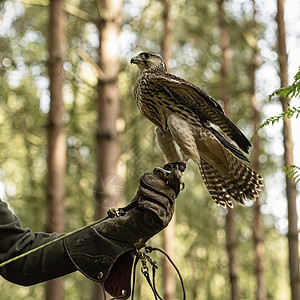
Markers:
point(167, 145)
point(183, 135)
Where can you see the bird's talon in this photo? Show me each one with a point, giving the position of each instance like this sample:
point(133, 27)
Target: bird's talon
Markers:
point(179, 165)
point(161, 173)
point(182, 186)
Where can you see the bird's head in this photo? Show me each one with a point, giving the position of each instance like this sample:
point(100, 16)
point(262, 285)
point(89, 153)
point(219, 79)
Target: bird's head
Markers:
point(149, 61)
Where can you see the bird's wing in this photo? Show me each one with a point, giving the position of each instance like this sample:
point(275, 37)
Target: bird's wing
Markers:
point(231, 147)
point(204, 106)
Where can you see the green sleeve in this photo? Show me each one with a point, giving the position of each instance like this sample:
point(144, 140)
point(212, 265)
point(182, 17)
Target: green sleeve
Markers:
point(42, 265)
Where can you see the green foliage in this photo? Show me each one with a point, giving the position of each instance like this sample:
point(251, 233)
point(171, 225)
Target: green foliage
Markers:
point(289, 113)
point(292, 171)
point(290, 91)
point(200, 234)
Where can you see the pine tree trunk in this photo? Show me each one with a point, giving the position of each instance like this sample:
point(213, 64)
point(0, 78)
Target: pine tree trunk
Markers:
point(291, 191)
point(231, 239)
point(56, 158)
point(226, 57)
point(108, 108)
point(169, 280)
point(258, 232)
point(166, 38)
point(231, 246)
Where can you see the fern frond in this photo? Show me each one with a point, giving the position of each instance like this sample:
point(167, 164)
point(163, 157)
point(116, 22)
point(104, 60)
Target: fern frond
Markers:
point(290, 91)
point(292, 171)
point(290, 112)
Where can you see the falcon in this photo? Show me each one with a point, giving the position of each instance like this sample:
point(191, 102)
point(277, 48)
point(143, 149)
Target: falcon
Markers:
point(192, 125)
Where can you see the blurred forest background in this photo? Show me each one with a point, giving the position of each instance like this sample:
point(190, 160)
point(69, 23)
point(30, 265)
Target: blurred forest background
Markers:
point(73, 143)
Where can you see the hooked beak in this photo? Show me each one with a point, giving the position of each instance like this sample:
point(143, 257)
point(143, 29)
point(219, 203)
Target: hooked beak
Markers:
point(135, 60)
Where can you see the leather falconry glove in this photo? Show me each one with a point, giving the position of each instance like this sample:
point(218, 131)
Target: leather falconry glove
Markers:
point(104, 252)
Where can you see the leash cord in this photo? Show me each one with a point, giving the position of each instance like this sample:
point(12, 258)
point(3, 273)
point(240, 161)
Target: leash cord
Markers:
point(144, 257)
point(110, 214)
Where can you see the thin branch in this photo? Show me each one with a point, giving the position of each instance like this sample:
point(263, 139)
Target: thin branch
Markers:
point(75, 11)
point(69, 8)
point(99, 8)
point(85, 56)
point(36, 2)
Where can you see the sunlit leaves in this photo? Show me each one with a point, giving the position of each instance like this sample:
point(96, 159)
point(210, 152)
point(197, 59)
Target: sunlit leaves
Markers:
point(290, 112)
point(290, 91)
point(24, 103)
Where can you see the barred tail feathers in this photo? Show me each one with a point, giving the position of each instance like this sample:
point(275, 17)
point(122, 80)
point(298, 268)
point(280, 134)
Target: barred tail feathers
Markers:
point(213, 182)
point(242, 182)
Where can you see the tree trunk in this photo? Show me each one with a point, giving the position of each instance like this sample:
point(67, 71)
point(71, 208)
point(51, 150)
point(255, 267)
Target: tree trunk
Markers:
point(166, 38)
point(226, 57)
point(56, 158)
point(231, 239)
point(291, 191)
point(108, 108)
point(258, 232)
point(169, 280)
point(231, 246)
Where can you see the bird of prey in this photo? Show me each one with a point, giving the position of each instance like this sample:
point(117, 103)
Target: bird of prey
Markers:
point(189, 119)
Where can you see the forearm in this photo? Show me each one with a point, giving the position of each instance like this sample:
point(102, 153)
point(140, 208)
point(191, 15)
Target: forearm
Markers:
point(103, 252)
point(44, 264)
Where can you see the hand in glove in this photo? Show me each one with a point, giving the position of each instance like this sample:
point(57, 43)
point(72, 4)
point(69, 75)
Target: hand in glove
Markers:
point(104, 252)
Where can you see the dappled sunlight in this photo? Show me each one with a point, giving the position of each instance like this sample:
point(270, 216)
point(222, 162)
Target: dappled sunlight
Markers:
point(195, 50)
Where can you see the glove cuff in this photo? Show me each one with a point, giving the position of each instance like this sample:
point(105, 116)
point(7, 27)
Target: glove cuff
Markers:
point(103, 259)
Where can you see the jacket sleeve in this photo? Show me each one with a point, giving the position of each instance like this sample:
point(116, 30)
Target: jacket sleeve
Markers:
point(42, 265)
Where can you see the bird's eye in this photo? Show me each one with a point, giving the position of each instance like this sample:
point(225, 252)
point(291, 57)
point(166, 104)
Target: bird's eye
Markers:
point(146, 55)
